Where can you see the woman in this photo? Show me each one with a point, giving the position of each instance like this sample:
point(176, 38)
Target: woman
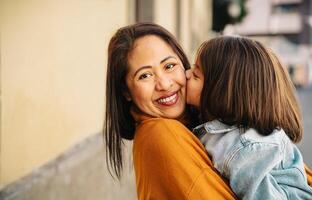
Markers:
point(145, 91)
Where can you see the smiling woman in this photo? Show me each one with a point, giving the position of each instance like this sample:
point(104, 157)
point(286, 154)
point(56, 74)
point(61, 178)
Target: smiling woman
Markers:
point(155, 78)
point(145, 101)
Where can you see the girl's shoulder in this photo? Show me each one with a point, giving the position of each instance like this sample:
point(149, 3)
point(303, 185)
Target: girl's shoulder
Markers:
point(276, 137)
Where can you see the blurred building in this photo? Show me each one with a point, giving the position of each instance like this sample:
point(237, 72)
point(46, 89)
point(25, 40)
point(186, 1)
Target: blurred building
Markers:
point(285, 26)
point(52, 66)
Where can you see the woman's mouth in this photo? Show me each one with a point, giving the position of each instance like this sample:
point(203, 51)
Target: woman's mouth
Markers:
point(168, 100)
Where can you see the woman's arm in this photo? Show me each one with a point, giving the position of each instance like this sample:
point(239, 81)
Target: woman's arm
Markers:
point(309, 174)
point(171, 163)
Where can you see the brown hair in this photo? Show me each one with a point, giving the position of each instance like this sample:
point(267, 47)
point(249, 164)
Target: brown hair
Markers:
point(246, 85)
point(118, 121)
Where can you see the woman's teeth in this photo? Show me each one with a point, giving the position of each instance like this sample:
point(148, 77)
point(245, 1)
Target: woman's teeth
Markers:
point(168, 100)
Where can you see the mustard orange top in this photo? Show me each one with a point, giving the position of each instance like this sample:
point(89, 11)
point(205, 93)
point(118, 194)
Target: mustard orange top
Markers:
point(171, 163)
point(309, 175)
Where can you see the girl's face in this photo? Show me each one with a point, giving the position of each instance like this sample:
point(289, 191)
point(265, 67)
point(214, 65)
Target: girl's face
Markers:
point(195, 83)
point(156, 78)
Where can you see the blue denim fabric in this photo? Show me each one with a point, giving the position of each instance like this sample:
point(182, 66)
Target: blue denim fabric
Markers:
point(257, 167)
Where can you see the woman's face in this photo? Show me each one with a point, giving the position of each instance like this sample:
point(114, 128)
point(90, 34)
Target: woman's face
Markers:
point(156, 78)
point(195, 83)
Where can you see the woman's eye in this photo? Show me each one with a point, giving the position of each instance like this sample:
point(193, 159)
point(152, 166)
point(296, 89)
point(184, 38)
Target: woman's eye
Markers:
point(170, 66)
point(144, 76)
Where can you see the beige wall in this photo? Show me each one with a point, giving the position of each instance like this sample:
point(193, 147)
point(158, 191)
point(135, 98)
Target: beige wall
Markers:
point(53, 56)
point(185, 27)
point(201, 23)
point(165, 14)
point(195, 18)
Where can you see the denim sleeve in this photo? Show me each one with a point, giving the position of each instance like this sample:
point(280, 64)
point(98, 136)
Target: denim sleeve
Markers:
point(249, 171)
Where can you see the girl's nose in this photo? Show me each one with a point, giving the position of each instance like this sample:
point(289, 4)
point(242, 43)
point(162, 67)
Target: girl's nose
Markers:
point(189, 73)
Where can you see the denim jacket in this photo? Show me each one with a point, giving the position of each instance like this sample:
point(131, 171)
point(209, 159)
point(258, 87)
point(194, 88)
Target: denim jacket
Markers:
point(257, 167)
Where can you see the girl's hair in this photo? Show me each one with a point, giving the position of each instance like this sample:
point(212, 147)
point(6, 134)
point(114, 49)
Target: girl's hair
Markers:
point(118, 122)
point(246, 85)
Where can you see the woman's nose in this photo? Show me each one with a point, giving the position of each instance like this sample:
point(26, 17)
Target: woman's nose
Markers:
point(163, 82)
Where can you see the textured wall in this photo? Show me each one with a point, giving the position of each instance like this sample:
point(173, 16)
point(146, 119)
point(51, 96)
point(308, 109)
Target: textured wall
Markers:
point(53, 57)
point(78, 174)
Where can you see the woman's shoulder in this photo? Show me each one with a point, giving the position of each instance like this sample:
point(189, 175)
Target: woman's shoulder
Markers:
point(159, 120)
point(167, 137)
point(159, 129)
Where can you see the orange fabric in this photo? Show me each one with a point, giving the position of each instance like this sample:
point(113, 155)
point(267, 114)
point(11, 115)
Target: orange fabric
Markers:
point(309, 175)
point(171, 163)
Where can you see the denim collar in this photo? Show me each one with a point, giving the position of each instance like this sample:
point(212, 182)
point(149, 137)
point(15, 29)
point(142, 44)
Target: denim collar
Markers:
point(212, 127)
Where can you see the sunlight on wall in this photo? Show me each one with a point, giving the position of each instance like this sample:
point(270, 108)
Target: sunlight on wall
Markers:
point(52, 77)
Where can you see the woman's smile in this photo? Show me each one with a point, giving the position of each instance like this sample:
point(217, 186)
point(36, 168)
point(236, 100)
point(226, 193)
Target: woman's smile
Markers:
point(168, 100)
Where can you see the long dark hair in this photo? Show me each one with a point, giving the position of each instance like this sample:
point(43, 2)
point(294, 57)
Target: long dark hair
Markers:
point(246, 85)
point(118, 122)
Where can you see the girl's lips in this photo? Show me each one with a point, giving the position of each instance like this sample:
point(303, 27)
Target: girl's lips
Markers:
point(169, 100)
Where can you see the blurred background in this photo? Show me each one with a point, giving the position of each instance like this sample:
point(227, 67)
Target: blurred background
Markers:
point(52, 81)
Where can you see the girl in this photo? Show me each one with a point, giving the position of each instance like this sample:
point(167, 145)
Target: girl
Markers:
point(252, 118)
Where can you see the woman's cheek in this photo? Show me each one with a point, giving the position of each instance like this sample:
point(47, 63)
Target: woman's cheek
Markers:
point(181, 77)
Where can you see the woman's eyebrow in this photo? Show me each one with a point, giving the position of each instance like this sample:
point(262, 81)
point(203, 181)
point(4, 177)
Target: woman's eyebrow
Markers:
point(148, 66)
point(141, 68)
point(168, 57)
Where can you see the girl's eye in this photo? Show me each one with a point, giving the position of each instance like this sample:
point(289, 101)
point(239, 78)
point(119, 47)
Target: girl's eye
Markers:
point(195, 75)
point(144, 76)
point(170, 66)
